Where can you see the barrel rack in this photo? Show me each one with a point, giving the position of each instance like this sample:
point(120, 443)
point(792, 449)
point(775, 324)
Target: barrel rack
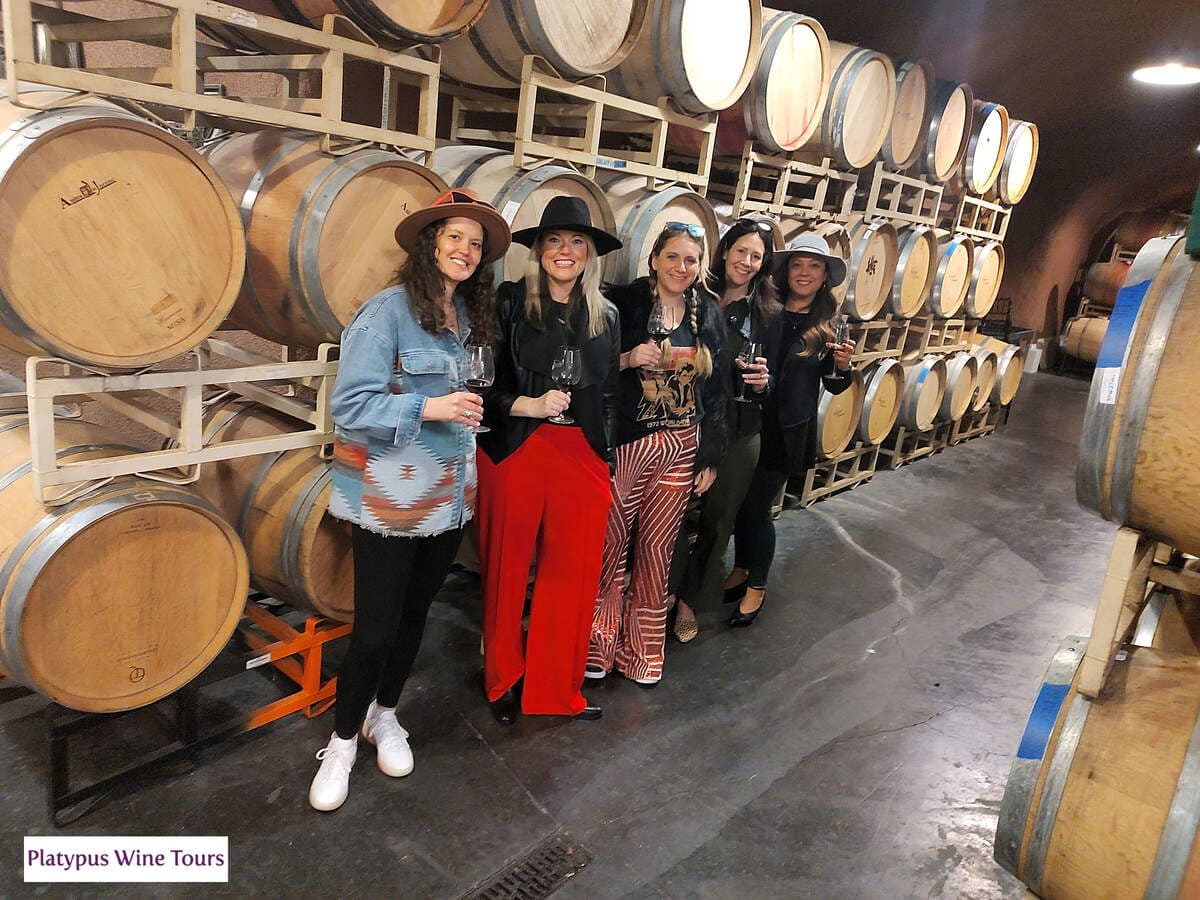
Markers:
point(583, 126)
point(978, 218)
point(176, 90)
point(273, 645)
point(902, 199)
point(1138, 566)
point(51, 381)
point(975, 423)
point(842, 472)
point(785, 186)
point(880, 338)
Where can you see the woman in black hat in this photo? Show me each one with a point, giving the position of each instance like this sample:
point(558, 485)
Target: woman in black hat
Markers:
point(802, 357)
point(543, 481)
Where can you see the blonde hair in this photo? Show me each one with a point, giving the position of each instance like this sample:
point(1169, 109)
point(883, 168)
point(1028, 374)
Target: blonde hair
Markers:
point(704, 360)
point(585, 289)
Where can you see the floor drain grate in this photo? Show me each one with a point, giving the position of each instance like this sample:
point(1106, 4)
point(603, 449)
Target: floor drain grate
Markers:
point(536, 875)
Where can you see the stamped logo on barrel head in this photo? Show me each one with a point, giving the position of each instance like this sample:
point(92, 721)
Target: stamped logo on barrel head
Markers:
point(86, 189)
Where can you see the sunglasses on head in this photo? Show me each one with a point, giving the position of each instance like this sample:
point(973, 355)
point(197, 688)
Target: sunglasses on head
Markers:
point(696, 231)
point(759, 224)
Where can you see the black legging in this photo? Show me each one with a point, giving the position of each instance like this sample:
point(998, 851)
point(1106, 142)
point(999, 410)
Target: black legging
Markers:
point(395, 581)
point(754, 531)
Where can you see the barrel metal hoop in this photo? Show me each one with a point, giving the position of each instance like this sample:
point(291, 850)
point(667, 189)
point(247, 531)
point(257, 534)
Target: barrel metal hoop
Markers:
point(1141, 379)
point(1052, 791)
point(305, 241)
point(909, 67)
point(676, 87)
point(942, 97)
point(1022, 779)
point(293, 532)
point(251, 494)
point(835, 114)
point(779, 28)
point(881, 372)
point(948, 254)
point(906, 245)
point(1179, 830)
point(473, 166)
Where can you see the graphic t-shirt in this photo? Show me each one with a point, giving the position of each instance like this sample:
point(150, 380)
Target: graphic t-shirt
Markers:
point(661, 396)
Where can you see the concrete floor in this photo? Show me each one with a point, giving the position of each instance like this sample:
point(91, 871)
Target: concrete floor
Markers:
point(854, 743)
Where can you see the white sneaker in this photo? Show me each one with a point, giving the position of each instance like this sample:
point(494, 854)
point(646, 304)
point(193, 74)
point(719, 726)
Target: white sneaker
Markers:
point(390, 739)
point(331, 784)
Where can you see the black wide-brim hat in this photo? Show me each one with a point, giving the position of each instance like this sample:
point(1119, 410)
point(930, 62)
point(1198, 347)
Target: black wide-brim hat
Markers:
point(567, 213)
point(452, 204)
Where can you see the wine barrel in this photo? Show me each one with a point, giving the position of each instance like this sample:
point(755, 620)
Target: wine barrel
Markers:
point(986, 146)
point(1135, 229)
point(782, 105)
point(916, 268)
point(881, 401)
point(910, 122)
point(520, 195)
point(107, 212)
point(988, 369)
point(986, 274)
point(1010, 366)
point(858, 113)
point(1148, 463)
point(1083, 337)
point(962, 370)
point(725, 218)
point(392, 23)
point(699, 53)
point(1096, 446)
point(872, 270)
point(279, 504)
point(640, 216)
point(949, 130)
point(924, 387)
point(1100, 800)
point(1020, 157)
point(955, 264)
point(838, 416)
point(116, 599)
point(320, 230)
point(1103, 280)
point(578, 39)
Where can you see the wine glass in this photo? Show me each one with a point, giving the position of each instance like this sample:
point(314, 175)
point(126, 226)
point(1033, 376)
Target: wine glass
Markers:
point(660, 324)
point(565, 372)
point(479, 373)
point(841, 329)
point(749, 353)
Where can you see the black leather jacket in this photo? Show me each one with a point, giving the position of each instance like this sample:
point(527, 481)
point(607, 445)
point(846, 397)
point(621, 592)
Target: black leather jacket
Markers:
point(633, 301)
point(523, 359)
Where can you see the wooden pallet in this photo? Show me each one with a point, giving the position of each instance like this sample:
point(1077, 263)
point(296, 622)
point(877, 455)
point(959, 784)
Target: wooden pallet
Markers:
point(1137, 565)
point(172, 403)
point(975, 424)
point(898, 198)
point(878, 339)
point(839, 473)
point(176, 90)
point(978, 218)
point(582, 125)
point(929, 334)
point(903, 445)
point(783, 186)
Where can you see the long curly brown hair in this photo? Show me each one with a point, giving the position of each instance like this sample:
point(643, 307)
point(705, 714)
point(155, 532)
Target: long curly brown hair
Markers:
point(426, 287)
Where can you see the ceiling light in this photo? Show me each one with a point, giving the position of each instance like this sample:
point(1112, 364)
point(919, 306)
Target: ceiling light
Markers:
point(1171, 74)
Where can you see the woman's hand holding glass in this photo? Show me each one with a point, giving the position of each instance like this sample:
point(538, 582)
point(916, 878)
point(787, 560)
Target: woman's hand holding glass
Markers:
point(645, 354)
point(754, 370)
point(462, 407)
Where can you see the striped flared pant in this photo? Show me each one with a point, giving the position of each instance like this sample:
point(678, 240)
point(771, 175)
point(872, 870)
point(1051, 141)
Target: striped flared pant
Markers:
point(650, 493)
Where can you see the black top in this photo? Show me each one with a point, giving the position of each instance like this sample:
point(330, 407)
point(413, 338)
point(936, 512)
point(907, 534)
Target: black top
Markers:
point(710, 395)
point(788, 435)
point(524, 355)
point(742, 318)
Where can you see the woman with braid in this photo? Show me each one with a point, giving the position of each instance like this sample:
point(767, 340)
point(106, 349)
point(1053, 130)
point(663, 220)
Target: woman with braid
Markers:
point(671, 432)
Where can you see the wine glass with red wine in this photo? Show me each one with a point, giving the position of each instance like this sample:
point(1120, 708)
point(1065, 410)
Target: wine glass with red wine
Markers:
point(479, 372)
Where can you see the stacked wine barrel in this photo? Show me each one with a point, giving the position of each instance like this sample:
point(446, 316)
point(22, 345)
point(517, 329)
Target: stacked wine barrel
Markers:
point(156, 245)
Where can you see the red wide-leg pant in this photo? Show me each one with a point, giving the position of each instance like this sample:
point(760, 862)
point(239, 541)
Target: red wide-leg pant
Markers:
point(551, 495)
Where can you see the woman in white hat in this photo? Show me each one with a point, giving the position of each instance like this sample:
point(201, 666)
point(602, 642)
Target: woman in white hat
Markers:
point(543, 476)
point(404, 465)
point(802, 356)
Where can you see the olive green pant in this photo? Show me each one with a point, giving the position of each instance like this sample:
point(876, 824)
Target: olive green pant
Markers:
point(698, 572)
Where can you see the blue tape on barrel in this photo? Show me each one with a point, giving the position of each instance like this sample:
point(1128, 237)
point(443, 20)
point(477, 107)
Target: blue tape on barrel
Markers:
point(1041, 721)
point(1120, 324)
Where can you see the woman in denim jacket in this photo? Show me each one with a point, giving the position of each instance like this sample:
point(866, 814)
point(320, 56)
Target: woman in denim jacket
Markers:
point(404, 465)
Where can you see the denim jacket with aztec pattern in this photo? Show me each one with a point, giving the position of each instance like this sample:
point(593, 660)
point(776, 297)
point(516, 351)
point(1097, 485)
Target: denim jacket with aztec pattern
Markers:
point(393, 473)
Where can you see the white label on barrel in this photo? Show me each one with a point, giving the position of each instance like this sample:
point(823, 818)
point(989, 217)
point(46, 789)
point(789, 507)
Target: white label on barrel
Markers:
point(510, 211)
point(243, 18)
point(1110, 380)
point(258, 661)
